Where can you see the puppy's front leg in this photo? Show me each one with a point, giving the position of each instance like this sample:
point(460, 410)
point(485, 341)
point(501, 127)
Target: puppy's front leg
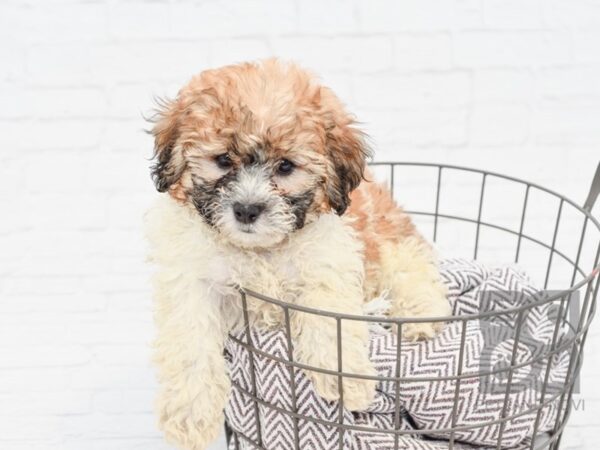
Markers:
point(189, 354)
point(316, 344)
point(409, 271)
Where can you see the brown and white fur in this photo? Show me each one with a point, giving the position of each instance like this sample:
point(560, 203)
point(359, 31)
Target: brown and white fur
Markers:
point(268, 134)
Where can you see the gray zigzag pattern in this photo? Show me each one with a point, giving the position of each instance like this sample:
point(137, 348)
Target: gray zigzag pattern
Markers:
point(428, 405)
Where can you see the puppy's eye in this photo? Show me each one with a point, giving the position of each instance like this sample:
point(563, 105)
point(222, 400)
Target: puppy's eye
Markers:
point(223, 161)
point(285, 167)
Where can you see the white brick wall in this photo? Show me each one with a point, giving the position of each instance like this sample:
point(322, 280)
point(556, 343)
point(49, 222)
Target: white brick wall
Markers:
point(507, 85)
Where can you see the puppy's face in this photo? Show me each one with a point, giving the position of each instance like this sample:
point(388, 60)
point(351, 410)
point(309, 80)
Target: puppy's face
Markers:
point(258, 150)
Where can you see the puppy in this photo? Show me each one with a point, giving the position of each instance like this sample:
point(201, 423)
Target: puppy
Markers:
point(261, 167)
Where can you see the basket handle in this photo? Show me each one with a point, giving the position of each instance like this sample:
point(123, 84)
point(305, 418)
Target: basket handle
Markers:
point(594, 191)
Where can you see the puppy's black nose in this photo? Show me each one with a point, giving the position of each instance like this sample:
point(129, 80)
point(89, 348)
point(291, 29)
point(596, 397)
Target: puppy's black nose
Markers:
point(247, 213)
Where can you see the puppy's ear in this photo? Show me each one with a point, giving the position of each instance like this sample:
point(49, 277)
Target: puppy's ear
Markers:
point(168, 166)
point(347, 151)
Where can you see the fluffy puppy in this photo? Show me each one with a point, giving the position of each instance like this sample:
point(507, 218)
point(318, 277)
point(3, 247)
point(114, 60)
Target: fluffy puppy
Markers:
point(259, 165)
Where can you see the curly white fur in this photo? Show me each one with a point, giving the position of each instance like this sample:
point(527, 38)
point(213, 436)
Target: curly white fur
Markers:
point(320, 266)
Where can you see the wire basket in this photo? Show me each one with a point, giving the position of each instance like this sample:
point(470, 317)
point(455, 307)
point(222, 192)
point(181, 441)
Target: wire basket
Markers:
point(483, 216)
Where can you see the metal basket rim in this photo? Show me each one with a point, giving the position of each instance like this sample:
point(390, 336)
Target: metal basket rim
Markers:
point(494, 174)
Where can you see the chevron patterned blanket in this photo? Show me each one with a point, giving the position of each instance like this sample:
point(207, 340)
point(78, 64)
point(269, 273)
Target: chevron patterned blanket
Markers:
point(426, 407)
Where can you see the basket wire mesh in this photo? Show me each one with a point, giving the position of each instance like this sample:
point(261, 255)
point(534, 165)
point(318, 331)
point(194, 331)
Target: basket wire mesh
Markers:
point(582, 273)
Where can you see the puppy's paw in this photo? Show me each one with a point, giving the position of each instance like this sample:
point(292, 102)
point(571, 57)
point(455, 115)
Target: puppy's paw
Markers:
point(190, 436)
point(326, 386)
point(189, 430)
point(420, 331)
point(358, 392)
point(435, 305)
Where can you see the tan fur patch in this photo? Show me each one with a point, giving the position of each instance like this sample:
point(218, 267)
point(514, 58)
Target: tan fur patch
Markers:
point(379, 221)
point(378, 218)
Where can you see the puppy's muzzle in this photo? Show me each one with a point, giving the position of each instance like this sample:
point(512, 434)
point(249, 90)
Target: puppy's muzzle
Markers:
point(247, 214)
